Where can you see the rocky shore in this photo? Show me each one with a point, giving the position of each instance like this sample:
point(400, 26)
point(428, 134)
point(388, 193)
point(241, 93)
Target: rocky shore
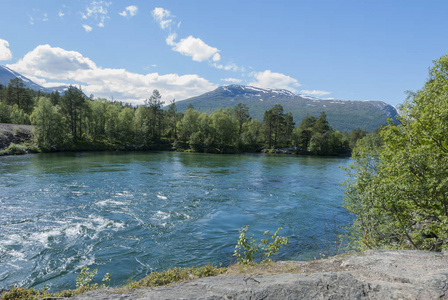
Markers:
point(369, 275)
point(14, 133)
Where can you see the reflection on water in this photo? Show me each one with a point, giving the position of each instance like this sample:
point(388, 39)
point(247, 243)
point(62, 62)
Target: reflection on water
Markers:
point(132, 213)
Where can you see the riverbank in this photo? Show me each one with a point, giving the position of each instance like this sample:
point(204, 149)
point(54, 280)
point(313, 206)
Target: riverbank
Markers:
point(387, 274)
point(379, 274)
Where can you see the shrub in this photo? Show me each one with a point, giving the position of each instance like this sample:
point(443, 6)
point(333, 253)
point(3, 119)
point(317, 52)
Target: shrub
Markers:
point(247, 247)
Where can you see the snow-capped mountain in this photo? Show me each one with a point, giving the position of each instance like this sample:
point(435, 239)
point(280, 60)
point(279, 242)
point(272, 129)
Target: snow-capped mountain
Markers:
point(342, 115)
point(6, 74)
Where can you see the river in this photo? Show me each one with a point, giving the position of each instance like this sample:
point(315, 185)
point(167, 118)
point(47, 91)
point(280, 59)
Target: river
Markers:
point(129, 214)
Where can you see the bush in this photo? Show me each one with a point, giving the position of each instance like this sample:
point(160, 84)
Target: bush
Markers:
point(247, 248)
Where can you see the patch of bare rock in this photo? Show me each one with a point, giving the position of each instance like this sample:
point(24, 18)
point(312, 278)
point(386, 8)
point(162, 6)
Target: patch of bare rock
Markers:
point(383, 274)
point(14, 133)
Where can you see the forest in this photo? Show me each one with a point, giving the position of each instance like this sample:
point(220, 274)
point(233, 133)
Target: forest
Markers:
point(72, 121)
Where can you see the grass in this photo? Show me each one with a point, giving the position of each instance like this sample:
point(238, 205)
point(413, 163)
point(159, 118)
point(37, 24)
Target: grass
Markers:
point(154, 279)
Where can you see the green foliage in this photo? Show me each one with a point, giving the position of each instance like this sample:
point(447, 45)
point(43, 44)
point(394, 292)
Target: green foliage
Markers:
point(272, 248)
point(176, 275)
point(85, 277)
point(398, 184)
point(247, 248)
point(25, 294)
point(316, 136)
point(49, 126)
point(74, 122)
point(16, 149)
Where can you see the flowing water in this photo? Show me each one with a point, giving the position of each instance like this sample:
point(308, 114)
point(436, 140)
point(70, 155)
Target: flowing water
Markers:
point(130, 214)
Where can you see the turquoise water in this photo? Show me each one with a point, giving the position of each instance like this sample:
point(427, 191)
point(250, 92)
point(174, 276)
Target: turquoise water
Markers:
point(129, 214)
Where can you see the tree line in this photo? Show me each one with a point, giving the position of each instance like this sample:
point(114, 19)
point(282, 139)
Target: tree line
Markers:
point(75, 122)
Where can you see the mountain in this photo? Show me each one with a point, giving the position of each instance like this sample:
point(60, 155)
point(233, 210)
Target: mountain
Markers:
point(342, 115)
point(6, 74)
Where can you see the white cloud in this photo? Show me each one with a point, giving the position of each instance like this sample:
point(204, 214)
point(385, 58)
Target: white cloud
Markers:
point(129, 11)
point(231, 80)
point(87, 28)
point(229, 67)
point(46, 64)
point(163, 17)
point(97, 10)
point(170, 39)
point(61, 14)
point(5, 53)
point(216, 57)
point(196, 48)
point(273, 80)
point(316, 93)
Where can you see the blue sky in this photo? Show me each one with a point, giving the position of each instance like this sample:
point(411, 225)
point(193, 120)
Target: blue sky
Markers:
point(122, 50)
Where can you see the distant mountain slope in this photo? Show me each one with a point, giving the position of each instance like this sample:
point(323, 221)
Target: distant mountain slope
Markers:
point(6, 74)
point(342, 115)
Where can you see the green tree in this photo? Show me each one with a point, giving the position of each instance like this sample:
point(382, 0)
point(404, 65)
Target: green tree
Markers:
point(241, 112)
point(141, 126)
point(126, 122)
point(16, 93)
point(273, 125)
point(112, 125)
point(173, 119)
point(19, 116)
point(225, 128)
point(155, 115)
point(5, 113)
point(73, 105)
point(48, 124)
point(251, 134)
point(289, 127)
point(399, 191)
point(189, 124)
point(55, 97)
point(304, 132)
point(321, 125)
point(97, 119)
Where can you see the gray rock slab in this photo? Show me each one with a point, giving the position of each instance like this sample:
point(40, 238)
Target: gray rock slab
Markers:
point(369, 275)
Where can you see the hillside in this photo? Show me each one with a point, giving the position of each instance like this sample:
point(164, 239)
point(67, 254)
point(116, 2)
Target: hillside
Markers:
point(342, 115)
point(6, 74)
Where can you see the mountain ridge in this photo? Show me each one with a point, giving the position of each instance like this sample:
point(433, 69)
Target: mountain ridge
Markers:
point(343, 115)
point(6, 74)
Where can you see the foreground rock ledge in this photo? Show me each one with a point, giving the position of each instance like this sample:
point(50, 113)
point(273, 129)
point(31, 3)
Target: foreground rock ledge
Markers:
point(369, 275)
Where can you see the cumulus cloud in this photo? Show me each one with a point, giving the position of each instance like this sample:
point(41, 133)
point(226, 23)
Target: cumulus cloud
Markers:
point(315, 93)
point(273, 80)
point(87, 28)
point(5, 53)
point(47, 64)
point(129, 11)
point(97, 10)
point(163, 17)
point(196, 48)
point(231, 80)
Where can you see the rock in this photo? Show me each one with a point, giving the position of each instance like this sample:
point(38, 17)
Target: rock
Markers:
point(369, 275)
point(14, 133)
